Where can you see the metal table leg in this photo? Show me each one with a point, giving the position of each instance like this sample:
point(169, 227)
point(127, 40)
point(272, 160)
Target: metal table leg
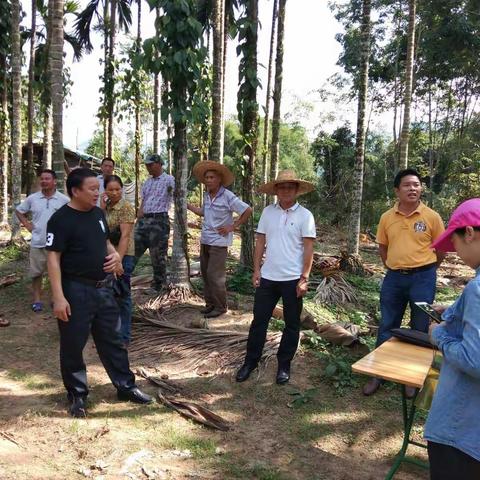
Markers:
point(408, 419)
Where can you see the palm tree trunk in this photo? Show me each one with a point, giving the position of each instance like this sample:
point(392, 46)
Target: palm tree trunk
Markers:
point(404, 137)
point(111, 76)
point(156, 102)
point(216, 146)
point(277, 92)
point(138, 132)
point(106, 36)
point(356, 211)
point(16, 171)
point(266, 124)
point(47, 114)
point(3, 142)
point(31, 107)
point(47, 136)
point(180, 275)
point(249, 131)
point(56, 88)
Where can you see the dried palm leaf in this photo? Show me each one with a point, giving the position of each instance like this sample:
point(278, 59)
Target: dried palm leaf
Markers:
point(335, 290)
point(192, 347)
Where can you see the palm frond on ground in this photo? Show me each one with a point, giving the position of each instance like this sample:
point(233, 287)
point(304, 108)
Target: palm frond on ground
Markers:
point(193, 348)
point(335, 290)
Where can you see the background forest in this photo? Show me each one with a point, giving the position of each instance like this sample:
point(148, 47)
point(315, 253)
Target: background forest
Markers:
point(413, 63)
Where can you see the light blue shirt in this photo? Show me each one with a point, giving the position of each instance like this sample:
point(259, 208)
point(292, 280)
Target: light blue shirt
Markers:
point(218, 212)
point(454, 416)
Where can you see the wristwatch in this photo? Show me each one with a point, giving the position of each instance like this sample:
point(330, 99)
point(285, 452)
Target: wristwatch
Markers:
point(303, 277)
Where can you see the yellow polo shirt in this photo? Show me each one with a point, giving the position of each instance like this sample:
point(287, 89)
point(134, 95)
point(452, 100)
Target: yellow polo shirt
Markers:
point(409, 237)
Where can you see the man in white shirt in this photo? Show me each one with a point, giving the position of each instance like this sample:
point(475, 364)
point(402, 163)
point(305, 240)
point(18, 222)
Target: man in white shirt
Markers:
point(107, 167)
point(286, 234)
point(42, 205)
point(219, 205)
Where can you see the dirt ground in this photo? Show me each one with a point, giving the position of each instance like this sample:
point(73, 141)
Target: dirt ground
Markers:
point(327, 437)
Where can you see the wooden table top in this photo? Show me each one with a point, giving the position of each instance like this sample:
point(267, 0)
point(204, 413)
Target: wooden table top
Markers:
point(397, 362)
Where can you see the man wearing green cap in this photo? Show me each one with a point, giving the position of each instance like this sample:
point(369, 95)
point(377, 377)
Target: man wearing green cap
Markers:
point(153, 225)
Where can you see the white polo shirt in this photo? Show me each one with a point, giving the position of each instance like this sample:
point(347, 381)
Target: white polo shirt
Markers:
point(42, 209)
point(284, 232)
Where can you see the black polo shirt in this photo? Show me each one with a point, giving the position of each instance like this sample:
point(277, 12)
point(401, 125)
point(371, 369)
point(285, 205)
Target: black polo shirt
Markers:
point(81, 237)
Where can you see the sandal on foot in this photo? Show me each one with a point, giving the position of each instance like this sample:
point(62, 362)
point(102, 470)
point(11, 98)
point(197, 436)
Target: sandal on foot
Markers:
point(37, 307)
point(4, 322)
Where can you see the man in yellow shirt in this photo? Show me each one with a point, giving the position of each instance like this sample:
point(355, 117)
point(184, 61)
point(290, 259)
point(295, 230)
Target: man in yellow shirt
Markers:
point(405, 235)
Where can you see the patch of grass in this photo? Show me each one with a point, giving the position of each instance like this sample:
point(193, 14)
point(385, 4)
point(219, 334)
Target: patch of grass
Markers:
point(174, 438)
point(231, 467)
point(447, 294)
point(30, 380)
point(12, 252)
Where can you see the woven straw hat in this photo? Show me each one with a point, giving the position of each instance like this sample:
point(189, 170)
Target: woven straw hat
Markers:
point(287, 176)
point(200, 168)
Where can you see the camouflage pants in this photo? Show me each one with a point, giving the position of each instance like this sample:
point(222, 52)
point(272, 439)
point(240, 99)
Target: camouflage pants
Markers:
point(152, 233)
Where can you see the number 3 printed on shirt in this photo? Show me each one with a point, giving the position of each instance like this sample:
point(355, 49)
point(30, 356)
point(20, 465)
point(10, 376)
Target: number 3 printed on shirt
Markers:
point(49, 241)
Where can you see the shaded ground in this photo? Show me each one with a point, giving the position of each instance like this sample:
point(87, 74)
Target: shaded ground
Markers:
point(333, 433)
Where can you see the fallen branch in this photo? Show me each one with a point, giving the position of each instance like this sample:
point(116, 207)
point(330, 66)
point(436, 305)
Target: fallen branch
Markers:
point(9, 280)
point(195, 412)
point(10, 438)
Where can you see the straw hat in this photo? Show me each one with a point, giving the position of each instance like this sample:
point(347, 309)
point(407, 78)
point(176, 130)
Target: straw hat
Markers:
point(200, 168)
point(286, 176)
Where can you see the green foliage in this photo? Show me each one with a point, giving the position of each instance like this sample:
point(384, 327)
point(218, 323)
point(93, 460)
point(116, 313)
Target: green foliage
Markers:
point(301, 398)
point(241, 282)
point(178, 53)
point(11, 252)
point(337, 368)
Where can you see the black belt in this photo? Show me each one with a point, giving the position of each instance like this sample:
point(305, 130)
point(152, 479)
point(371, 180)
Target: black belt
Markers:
point(155, 215)
point(409, 271)
point(105, 283)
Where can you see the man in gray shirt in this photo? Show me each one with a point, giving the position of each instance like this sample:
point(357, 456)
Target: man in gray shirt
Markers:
point(42, 205)
point(217, 210)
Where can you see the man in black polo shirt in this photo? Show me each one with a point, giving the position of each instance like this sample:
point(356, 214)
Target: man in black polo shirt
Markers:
point(81, 266)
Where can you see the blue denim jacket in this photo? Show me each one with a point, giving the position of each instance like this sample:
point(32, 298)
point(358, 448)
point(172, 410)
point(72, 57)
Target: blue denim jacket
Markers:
point(454, 416)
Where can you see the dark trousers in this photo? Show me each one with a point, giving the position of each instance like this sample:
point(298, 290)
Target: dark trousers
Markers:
point(449, 463)
point(96, 310)
point(399, 290)
point(152, 233)
point(125, 304)
point(212, 267)
point(266, 297)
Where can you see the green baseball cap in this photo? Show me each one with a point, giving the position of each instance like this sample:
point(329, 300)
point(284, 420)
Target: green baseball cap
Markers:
point(153, 158)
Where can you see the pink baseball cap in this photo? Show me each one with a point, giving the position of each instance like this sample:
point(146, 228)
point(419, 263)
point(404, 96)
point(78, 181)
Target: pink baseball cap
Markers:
point(466, 214)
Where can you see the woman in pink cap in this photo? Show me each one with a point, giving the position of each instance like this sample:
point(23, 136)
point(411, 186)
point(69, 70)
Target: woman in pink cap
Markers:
point(453, 425)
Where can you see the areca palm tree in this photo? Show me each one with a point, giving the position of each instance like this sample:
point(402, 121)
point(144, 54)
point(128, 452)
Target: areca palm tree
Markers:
point(216, 147)
point(109, 14)
point(355, 217)
point(407, 101)
point(5, 16)
point(16, 63)
point(30, 107)
point(266, 124)
point(56, 87)
point(248, 115)
point(277, 92)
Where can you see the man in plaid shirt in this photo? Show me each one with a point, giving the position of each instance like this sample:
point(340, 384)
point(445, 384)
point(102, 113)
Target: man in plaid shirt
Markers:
point(153, 225)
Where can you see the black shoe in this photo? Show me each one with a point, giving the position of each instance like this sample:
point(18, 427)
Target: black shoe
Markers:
point(206, 309)
point(134, 395)
point(244, 372)
point(214, 313)
point(78, 408)
point(283, 375)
